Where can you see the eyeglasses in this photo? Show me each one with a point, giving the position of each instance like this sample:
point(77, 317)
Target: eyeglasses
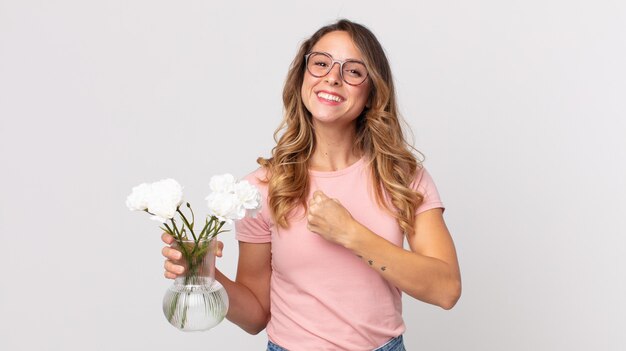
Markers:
point(319, 64)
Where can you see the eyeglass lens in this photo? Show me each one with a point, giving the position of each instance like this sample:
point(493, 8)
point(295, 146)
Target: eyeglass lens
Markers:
point(320, 64)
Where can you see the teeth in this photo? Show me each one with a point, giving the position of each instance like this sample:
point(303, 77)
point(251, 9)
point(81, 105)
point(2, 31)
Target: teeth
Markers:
point(329, 97)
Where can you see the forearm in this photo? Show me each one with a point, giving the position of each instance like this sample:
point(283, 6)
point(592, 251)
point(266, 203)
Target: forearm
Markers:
point(244, 309)
point(425, 278)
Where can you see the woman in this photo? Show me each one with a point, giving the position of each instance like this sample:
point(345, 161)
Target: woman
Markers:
point(322, 266)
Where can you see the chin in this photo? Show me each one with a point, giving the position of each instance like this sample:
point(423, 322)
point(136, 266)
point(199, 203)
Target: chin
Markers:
point(332, 119)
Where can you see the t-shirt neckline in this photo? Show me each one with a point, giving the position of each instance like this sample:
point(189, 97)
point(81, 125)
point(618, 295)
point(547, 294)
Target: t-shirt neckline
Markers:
point(340, 172)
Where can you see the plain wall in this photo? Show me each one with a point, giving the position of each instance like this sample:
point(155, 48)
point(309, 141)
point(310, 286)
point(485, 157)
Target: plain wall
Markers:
point(519, 107)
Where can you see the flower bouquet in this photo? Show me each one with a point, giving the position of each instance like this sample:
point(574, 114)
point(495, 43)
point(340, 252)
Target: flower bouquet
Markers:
point(196, 301)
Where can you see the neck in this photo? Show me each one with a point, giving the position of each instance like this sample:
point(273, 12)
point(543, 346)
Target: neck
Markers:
point(334, 148)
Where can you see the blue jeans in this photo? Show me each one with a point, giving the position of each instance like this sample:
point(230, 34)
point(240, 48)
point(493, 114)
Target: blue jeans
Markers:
point(394, 344)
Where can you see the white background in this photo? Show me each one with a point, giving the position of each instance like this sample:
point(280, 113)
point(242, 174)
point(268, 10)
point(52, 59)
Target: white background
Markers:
point(519, 107)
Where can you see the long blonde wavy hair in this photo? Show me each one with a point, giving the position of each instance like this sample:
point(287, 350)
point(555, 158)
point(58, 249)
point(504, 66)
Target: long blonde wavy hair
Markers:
point(379, 137)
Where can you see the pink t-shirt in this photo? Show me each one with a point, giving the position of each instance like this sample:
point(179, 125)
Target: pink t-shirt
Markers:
point(322, 296)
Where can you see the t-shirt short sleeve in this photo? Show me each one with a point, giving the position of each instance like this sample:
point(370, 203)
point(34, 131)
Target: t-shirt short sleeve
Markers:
point(425, 185)
point(256, 229)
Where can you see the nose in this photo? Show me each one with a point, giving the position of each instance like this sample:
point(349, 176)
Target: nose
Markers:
point(334, 76)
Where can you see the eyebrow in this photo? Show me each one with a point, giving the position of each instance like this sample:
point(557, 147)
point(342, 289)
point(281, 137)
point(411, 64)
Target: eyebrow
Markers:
point(349, 59)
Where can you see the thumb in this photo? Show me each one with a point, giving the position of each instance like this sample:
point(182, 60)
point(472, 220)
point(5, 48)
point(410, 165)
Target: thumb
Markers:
point(219, 249)
point(320, 194)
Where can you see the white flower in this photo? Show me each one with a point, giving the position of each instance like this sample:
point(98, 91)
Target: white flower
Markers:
point(222, 183)
point(138, 198)
point(248, 196)
point(165, 197)
point(229, 199)
point(225, 206)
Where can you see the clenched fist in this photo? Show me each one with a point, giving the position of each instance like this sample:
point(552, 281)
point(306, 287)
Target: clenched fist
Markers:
point(328, 218)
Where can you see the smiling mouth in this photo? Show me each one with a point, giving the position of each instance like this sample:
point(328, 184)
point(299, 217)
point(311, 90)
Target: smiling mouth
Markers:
point(329, 97)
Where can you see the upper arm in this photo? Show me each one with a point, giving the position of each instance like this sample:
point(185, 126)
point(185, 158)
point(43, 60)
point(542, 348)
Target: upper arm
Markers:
point(432, 238)
point(254, 270)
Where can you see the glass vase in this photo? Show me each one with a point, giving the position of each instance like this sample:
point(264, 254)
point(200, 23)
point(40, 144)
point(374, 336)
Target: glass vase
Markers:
point(196, 301)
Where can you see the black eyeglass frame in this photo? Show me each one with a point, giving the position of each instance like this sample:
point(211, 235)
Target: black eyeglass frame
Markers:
point(332, 64)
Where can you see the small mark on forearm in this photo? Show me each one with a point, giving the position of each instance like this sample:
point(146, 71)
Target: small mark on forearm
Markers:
point(370, 262)
point(383, 268)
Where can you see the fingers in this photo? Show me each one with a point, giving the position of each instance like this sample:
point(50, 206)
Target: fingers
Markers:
point(311, 227)
point(172, 270)
point(171, 254)
point(319, 195)
point(309, 219)
point(173, 257)
point(319, 201)
point(168, 239)
point(317, 198)
point(218, 250)
point(314, 203)
point(311, 222)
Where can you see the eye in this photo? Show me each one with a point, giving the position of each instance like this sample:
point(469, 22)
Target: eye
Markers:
point(354, 73)
point(321, 63)
point(354, 69)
